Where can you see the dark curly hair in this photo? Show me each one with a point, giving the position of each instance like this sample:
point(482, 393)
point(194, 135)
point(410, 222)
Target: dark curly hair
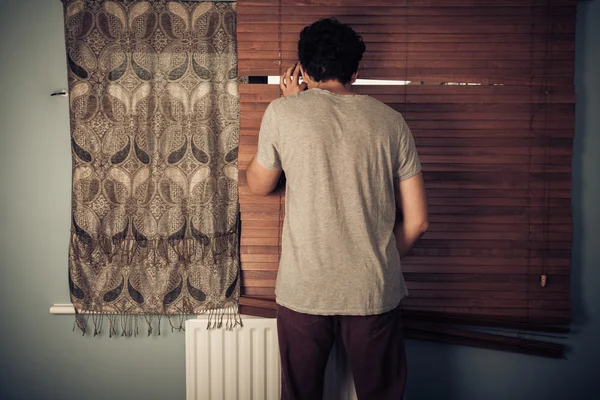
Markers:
point(330, 50)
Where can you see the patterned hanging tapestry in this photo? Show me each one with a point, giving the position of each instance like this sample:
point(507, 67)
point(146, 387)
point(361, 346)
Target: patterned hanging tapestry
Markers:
point(154, 111)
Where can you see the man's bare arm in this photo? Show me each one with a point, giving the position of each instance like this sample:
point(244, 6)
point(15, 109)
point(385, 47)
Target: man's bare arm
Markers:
point(411, 202)
point(261, 181)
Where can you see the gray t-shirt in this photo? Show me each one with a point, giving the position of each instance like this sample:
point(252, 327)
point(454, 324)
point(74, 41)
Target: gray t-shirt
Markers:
point(341, 155)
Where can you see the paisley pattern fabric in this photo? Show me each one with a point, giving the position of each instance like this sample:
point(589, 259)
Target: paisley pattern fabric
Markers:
point(154, 111)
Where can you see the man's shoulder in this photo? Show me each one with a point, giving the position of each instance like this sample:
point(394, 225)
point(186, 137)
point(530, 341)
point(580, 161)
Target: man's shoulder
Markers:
point(311, 99)
point(293, 98)
point(383, 110)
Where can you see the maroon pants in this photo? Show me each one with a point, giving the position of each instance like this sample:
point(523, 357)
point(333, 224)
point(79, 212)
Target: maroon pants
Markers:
point(374, 345)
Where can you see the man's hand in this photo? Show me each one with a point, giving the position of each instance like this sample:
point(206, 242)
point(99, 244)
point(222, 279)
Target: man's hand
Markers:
point(411, 202)
point(290, 81)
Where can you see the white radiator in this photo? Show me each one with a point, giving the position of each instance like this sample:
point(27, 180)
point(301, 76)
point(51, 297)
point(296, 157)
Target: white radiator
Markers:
point(243, 364)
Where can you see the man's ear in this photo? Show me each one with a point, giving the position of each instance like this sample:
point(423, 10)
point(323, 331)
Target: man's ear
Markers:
point(305, 76)
point(354, 77)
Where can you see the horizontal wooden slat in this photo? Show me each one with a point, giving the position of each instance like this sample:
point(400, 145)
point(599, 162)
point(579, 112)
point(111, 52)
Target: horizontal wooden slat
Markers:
point(490, 248)
point(463, 129)
point(504, 219)
point(534, 230)
point(266, 293)
point(487, 180)
point(417, 57)
point(455, 110)
point(260, 225)
point(402, 7)
point(486, 261)
point(449, 243)
point(491, 193)
point(536, 295)
point(260, 266)
point(535, 195)
point(484, 253)
point(499, 166)
point(557, 286)
point(418, 3)
point(536, 237)
point(257, 283)
point(534, 315)
point(261, 233)
point(500, 202)
point(399, 49)
point(537, 144)
point(256, 311)
point(523, 216)
point(467, 279)
point(459, 121)
point(422, 25)
point(489, 303)
point(398, 40)
point(477, 283)
point(534, 18)
point(457, 211)
point(250, 135)
point(478, 255)
point(251, 302)
point(259, 199)
point(441, 208)
point(484, 163)
point(266, 241)
point(445, 138)
point(270, 92)
point(476, 268)
point(535, 153)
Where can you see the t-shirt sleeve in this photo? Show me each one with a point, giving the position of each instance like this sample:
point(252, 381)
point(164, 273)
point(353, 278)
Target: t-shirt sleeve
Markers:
point(407, 160)
point(268, 141)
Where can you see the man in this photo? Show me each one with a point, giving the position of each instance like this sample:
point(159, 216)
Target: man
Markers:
point(350, 164)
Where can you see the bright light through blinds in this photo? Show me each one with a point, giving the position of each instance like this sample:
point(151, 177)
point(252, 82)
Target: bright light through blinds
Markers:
point(274, 80)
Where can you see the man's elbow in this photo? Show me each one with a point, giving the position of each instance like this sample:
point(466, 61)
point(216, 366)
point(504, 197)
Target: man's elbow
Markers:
point(256, 186)
point(423, 226)
point(420, 226)
point(259, 190)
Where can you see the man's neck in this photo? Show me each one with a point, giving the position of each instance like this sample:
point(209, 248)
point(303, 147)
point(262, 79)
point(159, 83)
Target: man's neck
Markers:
point(333, 86)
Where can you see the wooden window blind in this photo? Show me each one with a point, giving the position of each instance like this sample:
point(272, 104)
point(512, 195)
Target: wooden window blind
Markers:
point(491, 106)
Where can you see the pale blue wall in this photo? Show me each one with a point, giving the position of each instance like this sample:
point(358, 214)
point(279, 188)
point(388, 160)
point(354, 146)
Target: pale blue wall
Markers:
point(42, 359)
